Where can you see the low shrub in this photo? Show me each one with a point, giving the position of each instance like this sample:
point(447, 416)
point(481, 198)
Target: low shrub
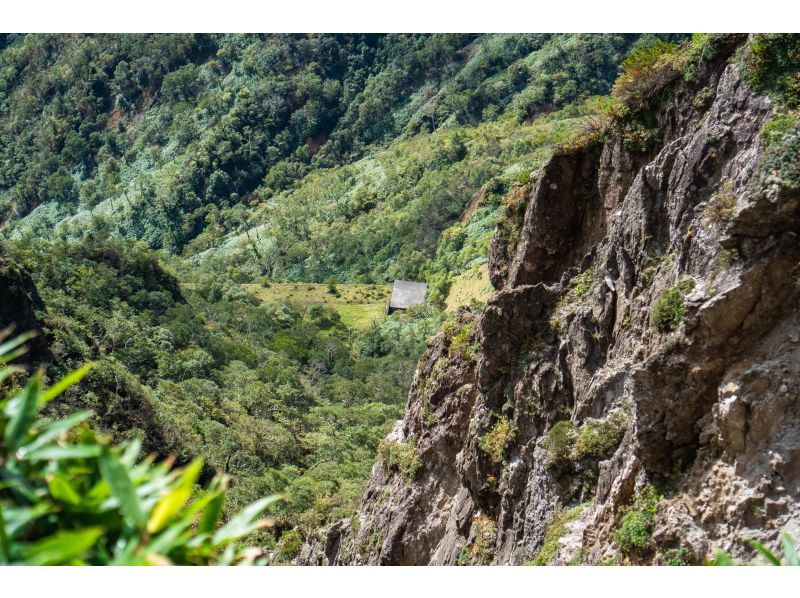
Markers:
point(289, 546)
point(772, 65)
point(494, 442)
point(668, 310)
point(721, 206)
point(600, 438)
point(402, 457)
point(645, 72)
point(776, 128)
point(462, 342)
point(560, 440)
point(636, 526)
point(481, 550)
point(780, 164)
point(677, 557)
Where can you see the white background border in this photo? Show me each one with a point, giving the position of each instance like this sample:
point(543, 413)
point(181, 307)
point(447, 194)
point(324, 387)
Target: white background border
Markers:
point(400, 15)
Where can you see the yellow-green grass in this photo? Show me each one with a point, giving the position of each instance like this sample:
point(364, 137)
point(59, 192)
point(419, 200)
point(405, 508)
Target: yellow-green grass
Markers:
point(358, 305)
point(361, 316)
point(472, 285)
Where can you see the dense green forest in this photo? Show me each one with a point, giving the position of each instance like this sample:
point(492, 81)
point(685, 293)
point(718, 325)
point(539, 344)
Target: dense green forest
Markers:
point(150, 182)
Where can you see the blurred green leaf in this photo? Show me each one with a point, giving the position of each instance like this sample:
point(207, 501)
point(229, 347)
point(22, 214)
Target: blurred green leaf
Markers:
point(53, 430)
point(18, 518)
point(790, 550)
point(76, 451)
point(114, 472)
point(69, 380)
point(211, 514)
point(62, 489)
point(722, 559)
point(5, 543)
point(245, 522)
point(176, 499)
point(61, 547)
point(23, 413)
point(131, 452)
point(765, 552)
point(170, 538)
point(7, 347)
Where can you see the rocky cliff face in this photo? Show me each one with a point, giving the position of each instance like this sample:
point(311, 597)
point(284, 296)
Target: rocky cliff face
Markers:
point(630, 392)
point(19, 304)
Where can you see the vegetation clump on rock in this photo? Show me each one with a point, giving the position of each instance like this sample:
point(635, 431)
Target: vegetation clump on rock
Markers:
point(400, 456)
point(636, 526)
point(495, 441)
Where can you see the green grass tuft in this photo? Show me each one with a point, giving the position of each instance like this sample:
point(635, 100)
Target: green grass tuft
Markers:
point(555, 531)
point(400, 457)
point(495, 441)
point(636, 526)
point(668, 311)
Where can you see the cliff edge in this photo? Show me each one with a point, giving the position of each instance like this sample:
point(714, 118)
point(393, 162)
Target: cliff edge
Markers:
point(630, 393)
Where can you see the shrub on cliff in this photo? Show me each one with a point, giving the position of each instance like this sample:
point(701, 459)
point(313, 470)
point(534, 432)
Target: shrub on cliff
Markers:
point(600, 438)
point(668, 310)
point(401, 457)
point(494, 442)
point(780, 164)
point(772, 66)
point(555, 531)
point(636, 526)
point(645, 72)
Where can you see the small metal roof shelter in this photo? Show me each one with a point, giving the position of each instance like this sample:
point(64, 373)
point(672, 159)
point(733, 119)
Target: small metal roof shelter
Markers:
point(405, 294)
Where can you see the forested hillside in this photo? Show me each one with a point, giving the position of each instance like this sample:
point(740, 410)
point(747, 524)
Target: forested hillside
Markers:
point(159, 193)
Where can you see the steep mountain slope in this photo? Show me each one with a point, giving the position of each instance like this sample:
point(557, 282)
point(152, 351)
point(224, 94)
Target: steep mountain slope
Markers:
point(630, 391)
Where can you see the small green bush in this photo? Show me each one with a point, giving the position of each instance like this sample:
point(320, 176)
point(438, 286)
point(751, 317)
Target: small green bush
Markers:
point(636, 526)
point(637, 137)
point(331, 282)
point(777, 127)
point(721, 206)
point(494, 442)
point(289, 545)
point(560, 440)
point(634, 532)
point(581, 284)
point(481, 550)
point(645, 72)
point(677, 557)
point(462, 343)
point(600, 438)
point(780, 164)
point(772, 66)
point(668, 311)
point(401, 457)
point(685, 284)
